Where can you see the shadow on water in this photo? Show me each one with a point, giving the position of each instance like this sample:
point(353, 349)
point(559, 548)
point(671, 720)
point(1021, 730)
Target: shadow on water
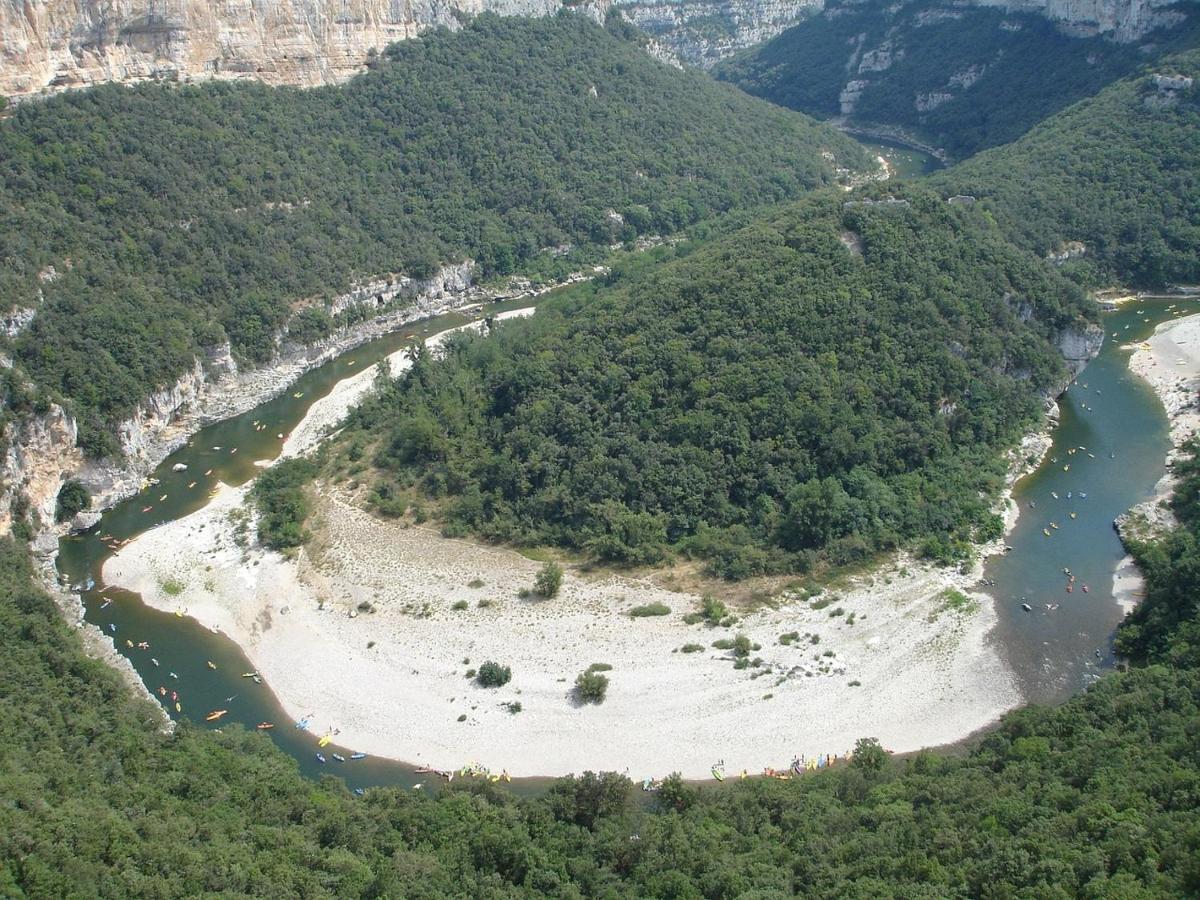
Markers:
point(1110, 445)
point(1052, 650)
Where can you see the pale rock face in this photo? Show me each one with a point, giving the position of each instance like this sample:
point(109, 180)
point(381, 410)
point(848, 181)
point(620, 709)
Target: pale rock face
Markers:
point(15, 321)
point(41, 456)
point(73, 43)
point(1080, 345)
point(932, 100)
point(880, 59)
point(703, 32)
point(850, 95)
point(1125, 21)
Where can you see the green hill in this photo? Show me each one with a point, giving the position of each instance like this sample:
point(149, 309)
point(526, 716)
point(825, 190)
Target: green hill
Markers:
point(175, 216)
point(836, 378)
point(1119, 172)
point(963, 78)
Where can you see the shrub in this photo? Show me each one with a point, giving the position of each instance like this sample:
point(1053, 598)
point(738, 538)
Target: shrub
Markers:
point(459, 604)
point(475, 583)
point(548, 580)
point(691, 648)
point(789, 638)
point(650, 609)
point(713, 610)
point(591, 687)
point(513, 707)
point(741, 646)
point(492, 674)
point(599, 667)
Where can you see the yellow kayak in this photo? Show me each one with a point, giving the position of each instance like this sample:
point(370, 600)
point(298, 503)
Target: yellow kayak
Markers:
point(325, 740)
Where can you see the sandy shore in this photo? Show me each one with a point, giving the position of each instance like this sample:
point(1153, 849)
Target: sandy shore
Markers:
point(899, 662)
point(896, 655)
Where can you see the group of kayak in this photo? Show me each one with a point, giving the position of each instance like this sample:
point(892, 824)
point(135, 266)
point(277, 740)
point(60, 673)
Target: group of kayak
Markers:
point(472, 771)
point(338, 757)
point(800, 765)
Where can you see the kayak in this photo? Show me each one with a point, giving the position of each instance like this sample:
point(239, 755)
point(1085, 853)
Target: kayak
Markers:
point(325, 740)
point(320, 758)
point(263, 726)
point(215, 714)
point(339, 757)
point(358, 756)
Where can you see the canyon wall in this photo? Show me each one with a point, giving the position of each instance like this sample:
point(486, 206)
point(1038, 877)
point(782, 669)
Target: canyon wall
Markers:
point(48, 45)
point(42, 455)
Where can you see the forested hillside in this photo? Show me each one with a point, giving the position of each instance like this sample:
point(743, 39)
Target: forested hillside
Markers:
point(1119, 172)
point(174, 217)
point(1096, 798)
point(962, 78)
point(836, 378)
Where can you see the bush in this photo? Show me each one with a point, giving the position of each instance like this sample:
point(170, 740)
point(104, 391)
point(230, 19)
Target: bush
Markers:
point(459, 604)
point(741, 646)
point(492, 674)
point(591, 687)
point(548, 580)
point(73, 498)
point(691, 648)
point(599, 667)
point(650, 609)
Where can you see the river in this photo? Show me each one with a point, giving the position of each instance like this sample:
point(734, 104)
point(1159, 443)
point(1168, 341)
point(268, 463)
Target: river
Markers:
point(1053, 651)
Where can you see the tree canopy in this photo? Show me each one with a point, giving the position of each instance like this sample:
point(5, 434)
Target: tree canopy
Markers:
point(1119, 172)
point(148, 222)
point(833, 379)
point(963, 78)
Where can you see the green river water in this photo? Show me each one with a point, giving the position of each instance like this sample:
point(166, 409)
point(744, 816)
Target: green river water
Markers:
point(1052, 651)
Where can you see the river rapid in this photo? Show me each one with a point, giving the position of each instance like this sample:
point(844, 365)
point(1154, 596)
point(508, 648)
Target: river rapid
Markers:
point(1054, 650)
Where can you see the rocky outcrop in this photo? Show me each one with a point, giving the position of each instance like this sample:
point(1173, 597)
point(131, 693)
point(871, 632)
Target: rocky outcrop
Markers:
point(47, 45)
point(1125, 21)
point(42, 453)
point(703, 32)
point(41, 456)
point(74, 43)
point(1079, 345)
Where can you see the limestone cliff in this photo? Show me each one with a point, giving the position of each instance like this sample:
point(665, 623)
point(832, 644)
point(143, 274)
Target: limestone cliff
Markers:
point(1124, 21)
point(71, 43)
point(41, 448)
point(54, 44)
point(703, 32)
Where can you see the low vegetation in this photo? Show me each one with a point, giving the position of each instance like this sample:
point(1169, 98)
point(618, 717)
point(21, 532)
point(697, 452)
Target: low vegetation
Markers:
point(650, 609)
point(492, 674)
point(591, 687)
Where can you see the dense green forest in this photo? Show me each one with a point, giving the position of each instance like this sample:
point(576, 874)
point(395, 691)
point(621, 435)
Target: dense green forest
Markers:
point(833, 379)
point(1097, 798)
point(993, 74)
point(175, 217)
point(1119, 172)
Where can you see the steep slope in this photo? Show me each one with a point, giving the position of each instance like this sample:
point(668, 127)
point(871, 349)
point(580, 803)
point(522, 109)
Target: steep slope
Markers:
point(962, 78)
point(833, 379)
point(147, 224)
point(1119, 174)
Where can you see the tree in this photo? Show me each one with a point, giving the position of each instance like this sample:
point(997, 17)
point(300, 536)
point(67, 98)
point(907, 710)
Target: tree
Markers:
point(869, 755)
point(73, 498)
